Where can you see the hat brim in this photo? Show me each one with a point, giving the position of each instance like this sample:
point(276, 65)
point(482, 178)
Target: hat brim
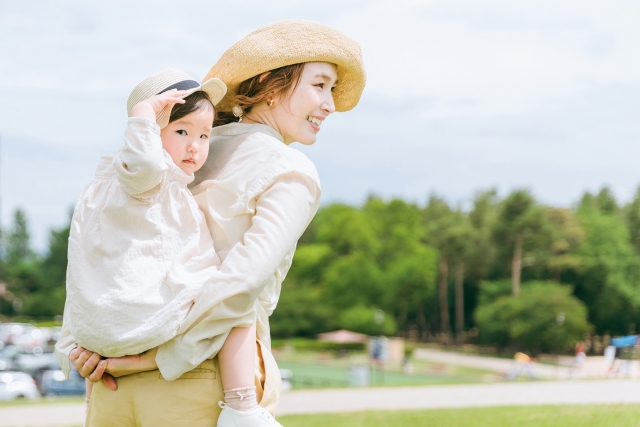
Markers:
point(291, 42)
point(215, 88)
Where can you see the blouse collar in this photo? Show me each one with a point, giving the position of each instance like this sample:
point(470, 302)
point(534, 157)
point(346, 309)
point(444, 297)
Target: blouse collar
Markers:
point(240, 128)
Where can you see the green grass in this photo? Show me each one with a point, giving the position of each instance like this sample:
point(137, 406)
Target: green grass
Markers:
point(307, 375)
point(42, 401)
point(525, 416)
point(520, 416)
point(312, 369)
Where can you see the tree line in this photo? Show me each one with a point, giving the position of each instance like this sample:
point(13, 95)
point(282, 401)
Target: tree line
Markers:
point(507, 271)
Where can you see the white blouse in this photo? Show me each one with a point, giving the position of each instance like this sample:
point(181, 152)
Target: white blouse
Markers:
point(258, 195)
point(139, 249)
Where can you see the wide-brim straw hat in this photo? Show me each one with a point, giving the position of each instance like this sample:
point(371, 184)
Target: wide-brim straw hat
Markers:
point(173, 78)
point(291, 42)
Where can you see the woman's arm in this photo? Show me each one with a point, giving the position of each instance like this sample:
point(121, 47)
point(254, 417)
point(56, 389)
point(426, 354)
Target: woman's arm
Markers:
point(227, 301)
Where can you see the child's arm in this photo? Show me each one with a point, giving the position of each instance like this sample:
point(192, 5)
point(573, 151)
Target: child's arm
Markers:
point(140, 164)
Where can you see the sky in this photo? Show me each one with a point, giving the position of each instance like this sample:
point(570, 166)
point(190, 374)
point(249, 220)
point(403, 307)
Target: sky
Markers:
point(461, 95)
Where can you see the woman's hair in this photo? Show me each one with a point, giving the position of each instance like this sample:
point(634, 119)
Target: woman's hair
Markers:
point(196, 101)
point(258, 88)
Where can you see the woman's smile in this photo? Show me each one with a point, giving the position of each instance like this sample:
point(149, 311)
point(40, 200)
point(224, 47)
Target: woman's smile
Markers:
point(315, 122)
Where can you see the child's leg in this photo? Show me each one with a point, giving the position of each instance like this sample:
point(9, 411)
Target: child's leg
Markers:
point(237, 359)
point(89, 386)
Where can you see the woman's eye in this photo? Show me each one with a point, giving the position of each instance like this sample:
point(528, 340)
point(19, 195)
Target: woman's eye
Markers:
point(320, 85)
point(181, 132)
point(333, 88)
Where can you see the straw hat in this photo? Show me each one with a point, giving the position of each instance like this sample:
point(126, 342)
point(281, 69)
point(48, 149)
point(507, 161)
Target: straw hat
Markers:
point(173, 78)
point(291, 42)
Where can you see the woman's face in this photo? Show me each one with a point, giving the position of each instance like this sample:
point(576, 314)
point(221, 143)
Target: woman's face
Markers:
point(299, 115)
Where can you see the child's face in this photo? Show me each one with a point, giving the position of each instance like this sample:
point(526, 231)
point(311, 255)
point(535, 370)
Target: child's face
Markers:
point(187, 139)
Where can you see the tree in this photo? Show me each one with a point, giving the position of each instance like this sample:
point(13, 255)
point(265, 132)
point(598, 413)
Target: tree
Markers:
point(411, 281)
point(18, 247)
point(439, 220)
point(460, 243)
point(632, 214)
point(609, 278)
point(521, 225)
point(567, 235)
point(21, 269)
point(48, 300)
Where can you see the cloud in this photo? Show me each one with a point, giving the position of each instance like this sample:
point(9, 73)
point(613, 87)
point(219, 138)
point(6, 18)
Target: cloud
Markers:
point(460, 95)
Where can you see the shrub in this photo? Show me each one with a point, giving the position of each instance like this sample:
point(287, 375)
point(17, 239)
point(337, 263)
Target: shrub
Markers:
point(363, 319)
point(530, 322)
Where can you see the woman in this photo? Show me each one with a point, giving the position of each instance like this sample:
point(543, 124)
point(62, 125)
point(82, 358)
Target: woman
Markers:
point(258, 195)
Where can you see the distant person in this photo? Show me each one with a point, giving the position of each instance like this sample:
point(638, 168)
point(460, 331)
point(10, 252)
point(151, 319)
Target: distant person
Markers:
point(609, 357)
point(581, 356)
point(257, 195)
point(522, 362)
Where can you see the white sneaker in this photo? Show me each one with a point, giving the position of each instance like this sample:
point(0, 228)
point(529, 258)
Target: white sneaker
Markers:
point(257, 417)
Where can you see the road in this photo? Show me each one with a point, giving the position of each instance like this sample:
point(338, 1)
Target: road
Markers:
point(346, 400)
point(593, 367)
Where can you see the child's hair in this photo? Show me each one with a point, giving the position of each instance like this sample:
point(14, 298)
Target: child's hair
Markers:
point(258, 88)
point(193, 102)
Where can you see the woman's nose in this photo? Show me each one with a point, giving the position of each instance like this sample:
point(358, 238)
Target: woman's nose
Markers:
point(328, 106)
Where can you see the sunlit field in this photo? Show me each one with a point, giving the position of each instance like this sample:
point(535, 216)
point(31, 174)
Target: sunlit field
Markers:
point(538, 416)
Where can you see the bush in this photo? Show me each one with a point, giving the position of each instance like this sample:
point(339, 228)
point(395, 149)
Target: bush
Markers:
point(530, 322)
point(301, 313)
point(363, 319)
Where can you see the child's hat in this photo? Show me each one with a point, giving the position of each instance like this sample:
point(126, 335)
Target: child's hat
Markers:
point(173, 78)
point(291, 42)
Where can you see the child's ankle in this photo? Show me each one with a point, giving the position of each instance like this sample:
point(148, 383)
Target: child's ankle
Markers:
point(241, 399)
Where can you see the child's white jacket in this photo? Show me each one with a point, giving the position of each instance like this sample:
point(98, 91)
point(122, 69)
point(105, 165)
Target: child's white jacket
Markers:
point(139, 249)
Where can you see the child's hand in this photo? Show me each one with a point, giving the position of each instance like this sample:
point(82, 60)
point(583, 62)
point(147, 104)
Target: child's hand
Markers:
point(127, 365)
point(148, 108)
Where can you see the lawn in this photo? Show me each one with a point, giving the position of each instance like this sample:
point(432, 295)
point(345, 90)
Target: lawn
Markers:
point(316, 369)
point(522, 416)
point(306, 375)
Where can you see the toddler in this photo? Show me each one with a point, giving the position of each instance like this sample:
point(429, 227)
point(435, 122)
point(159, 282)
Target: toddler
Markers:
point(139, 248)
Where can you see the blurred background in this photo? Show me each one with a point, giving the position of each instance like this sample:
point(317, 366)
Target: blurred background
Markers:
point(481, 201)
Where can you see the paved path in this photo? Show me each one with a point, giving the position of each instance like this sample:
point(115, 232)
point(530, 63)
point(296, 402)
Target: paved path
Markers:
point(593, 367)
point(345, 400)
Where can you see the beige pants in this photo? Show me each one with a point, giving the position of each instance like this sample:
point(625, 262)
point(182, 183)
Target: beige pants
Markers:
point(147, 399)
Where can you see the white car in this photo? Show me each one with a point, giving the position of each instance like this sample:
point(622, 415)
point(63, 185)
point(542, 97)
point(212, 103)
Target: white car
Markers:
point(16, 385)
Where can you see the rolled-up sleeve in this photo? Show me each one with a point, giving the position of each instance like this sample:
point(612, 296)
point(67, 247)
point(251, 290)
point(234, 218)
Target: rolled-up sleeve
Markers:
point(229, 298)
point(140, 164)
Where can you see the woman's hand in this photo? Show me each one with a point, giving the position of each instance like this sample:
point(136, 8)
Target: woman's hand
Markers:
point(127, 365)
point(91, 366)
point(148, 108)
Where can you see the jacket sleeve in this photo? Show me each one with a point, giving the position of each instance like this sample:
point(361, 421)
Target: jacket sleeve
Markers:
point(229, 298)
point(140, 164)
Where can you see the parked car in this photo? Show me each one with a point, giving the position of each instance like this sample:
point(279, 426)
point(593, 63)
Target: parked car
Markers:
point(17, 385)
point(55, 384)
point(36, 360)
point(7, 361)
point(31, 360)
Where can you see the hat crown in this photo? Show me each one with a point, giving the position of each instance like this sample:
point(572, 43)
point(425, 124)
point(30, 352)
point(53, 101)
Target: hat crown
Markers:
point(155, 84)
point(289, 42)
